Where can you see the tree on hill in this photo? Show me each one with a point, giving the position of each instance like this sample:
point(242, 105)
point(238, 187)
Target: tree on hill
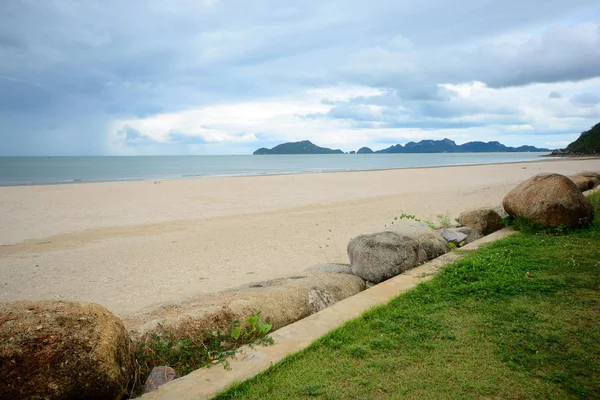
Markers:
point(587, 143)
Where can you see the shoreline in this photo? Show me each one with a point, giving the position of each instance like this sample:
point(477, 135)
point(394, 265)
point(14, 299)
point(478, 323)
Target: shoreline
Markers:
point(137, 245)
point(541, 158)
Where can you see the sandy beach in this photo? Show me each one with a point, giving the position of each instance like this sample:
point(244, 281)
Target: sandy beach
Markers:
point(134, 245)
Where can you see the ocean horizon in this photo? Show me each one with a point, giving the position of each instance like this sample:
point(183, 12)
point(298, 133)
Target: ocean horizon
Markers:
point(25, 171)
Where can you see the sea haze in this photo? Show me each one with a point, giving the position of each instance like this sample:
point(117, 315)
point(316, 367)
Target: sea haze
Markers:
point(59, 170)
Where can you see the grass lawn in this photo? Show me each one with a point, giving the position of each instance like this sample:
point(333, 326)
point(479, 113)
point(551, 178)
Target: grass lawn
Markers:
point(518, 319)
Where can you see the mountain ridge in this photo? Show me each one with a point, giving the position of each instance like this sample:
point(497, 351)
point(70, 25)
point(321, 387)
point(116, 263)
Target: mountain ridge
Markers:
point(423, 146)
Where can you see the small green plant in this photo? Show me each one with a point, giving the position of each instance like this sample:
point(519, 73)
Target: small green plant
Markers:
point(407, 216)
point(188, 351)
point(444, 220)
point(414, 218)
point(253, 329)
point(430, 224)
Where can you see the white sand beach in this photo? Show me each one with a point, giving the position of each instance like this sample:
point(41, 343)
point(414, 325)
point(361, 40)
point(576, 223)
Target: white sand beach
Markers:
point(133, 245)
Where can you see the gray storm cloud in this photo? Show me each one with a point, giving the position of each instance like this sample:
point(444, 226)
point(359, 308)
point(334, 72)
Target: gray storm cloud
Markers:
point(68, 68)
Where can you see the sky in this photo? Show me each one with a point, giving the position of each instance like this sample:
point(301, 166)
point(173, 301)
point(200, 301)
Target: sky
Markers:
point(169, 77)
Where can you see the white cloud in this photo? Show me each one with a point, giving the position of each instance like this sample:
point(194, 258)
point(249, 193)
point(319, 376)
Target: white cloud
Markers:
point(228, 75)
point(328, 117)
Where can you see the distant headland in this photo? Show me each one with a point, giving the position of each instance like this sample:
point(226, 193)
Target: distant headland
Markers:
point(424, 146)
point(588, 143)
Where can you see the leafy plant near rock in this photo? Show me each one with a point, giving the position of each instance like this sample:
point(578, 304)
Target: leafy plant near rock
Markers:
point(186, 352)
point(444, 220)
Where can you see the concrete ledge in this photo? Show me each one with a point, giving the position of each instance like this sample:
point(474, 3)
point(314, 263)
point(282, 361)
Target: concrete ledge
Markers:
point(207, 382)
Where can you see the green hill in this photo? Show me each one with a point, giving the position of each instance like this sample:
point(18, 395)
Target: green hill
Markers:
point(587, 143)
point(303, 147)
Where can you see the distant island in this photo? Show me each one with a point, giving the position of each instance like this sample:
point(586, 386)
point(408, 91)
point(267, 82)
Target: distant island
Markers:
point(424, 146)
point(588, 143)
point(303, 147)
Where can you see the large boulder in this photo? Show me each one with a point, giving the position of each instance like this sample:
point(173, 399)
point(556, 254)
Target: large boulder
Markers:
point(280, 302)
point(549, 200)
point(584, 183)
point(64, 350)
point(432, 242)
point(484, 220)
point(380, 256)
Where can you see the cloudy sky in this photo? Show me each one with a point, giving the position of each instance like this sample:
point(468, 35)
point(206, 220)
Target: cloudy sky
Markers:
point(84, 77)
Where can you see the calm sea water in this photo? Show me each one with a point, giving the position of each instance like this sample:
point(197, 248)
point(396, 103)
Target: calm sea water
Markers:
point(57, 170)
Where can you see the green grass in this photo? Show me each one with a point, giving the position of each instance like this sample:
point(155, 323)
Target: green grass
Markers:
point(516, 320)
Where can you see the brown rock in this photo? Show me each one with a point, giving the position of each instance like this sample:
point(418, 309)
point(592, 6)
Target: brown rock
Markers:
point(484, 220)
point(584, 183)
point(158, 377)
point(64, 350)
point(549, 200)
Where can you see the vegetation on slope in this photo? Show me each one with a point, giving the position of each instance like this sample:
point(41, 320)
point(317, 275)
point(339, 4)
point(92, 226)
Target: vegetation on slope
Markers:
point(517, 319)
point(587, 143)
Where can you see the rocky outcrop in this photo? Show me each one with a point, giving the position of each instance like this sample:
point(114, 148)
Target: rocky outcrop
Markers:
point(432, 242)
point(484, 220)
point(549, 200)
point(279, 301)
point(64, 350)
point(380, 256)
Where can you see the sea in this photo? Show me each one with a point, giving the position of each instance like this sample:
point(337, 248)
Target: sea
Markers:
point(17, 171)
